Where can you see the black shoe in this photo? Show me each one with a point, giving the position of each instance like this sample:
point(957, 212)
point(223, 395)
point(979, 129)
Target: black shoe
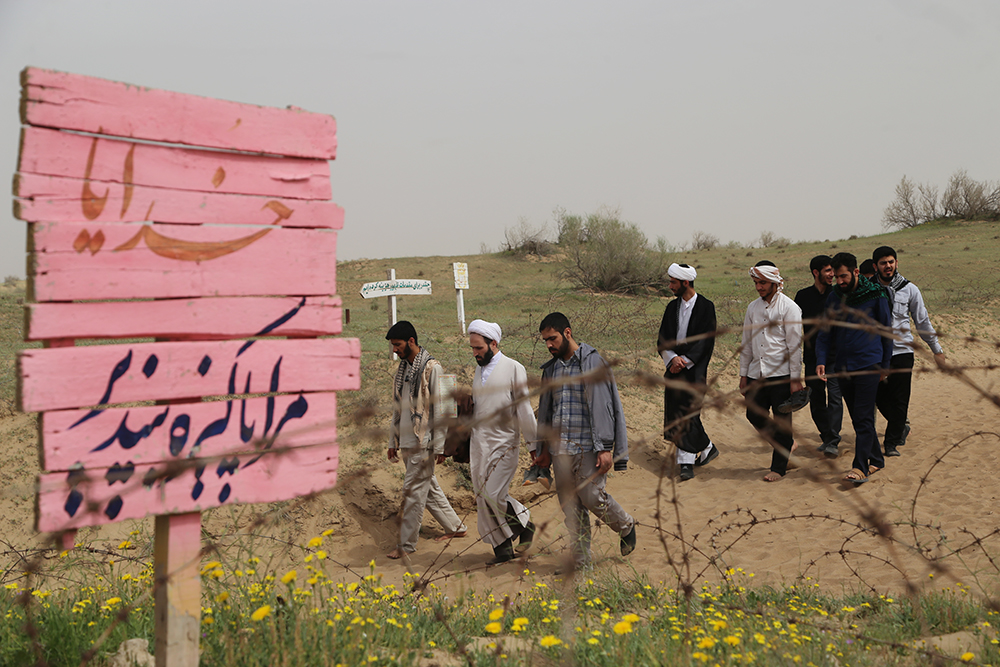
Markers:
point(527, 536)
point(890, 450)
point(502, 553)
point(628, 542)
point(712, 455)
point(830, 451)
point(687, 471)
point(906, 432)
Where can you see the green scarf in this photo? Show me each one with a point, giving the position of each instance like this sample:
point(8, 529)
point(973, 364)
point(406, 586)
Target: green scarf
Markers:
point(865, 291)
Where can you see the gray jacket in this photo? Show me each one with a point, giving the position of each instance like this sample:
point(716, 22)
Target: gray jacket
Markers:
point(607, 419)
point(906, 302)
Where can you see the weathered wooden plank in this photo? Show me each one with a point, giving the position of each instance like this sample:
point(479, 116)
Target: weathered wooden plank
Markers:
point(158, 433)
point(75, 102)
point(99, 496)
point(177, 595)
point(204, 318)
point(60, 378)
point(55, 153)
point(55, 198)
point(135, 261)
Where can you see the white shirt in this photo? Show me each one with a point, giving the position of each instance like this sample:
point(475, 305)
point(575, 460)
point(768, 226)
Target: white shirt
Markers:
point(683, 320)
point(488, 368)
point(772, 339)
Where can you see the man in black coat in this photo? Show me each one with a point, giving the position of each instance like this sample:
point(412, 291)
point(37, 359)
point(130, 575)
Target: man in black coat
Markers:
point(688, 316)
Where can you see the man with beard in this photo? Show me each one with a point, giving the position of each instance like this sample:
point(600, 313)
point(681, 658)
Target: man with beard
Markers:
point(418, 438)
point(688, 316)
point(771, 363)
point(860, 354)
point(584, 428)
point(501, 414)
point(827, 414)
point(893, 399)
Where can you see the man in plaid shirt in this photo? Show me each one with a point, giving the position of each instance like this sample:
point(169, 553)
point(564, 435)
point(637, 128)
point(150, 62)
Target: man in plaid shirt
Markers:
point(585, 434)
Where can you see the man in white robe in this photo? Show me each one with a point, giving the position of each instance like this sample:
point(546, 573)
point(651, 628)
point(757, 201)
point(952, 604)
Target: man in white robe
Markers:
point(502, 415)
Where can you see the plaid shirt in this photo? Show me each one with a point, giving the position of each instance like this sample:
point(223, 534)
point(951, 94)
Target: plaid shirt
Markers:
point(570, 413)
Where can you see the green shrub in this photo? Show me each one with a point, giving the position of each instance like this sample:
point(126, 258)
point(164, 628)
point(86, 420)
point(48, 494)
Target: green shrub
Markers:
point(608, 254)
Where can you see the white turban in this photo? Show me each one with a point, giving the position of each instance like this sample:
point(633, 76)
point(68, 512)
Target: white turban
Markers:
point(682, 272)
point(769, 273)
point(485, 329)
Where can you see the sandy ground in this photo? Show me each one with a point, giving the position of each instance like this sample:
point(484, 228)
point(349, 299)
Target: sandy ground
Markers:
point(934, 502)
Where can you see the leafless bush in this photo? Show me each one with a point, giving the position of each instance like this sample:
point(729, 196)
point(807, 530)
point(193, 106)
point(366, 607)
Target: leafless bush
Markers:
point(914, 204)
point(768, 239)
point(964, 198)
point(704, 241)
point(526, 239)
point(969, 199)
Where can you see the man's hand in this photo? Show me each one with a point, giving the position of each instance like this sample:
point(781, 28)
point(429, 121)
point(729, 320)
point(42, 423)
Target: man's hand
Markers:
point(439, 458)
point(821, 372)
point(676, 365)
point(940, 360)
point(604, 462)
point(796, 385)
point(393, 456)
point(743, 384)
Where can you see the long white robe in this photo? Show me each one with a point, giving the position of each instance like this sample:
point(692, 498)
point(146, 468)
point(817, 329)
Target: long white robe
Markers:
point(493, 450)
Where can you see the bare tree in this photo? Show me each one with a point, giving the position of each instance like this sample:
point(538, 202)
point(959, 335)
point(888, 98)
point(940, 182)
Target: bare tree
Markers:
point(904, 211)
point(704, 241)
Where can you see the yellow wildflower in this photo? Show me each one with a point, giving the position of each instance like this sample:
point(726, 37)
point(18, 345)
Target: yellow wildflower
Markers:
point(496, 614)
point(732, 640)
point(314, 542)
point(222, 597)
point(261, 613)
point(493, 628)
point(707, 642)
point(622, 628)
point(548, 641)
point(968, 657)
point(631, 618)
point(289, 577)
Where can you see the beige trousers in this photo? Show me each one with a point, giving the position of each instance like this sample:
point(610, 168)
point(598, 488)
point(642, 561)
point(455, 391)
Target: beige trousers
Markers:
point(420, 490)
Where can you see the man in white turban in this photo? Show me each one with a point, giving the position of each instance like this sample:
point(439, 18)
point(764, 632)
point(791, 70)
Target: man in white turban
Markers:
point(771, 363)
point(502, 414)
point(688, 316)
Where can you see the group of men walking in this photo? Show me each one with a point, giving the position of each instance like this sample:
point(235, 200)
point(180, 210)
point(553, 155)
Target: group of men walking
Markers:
point(861, 356)
point(579, 432)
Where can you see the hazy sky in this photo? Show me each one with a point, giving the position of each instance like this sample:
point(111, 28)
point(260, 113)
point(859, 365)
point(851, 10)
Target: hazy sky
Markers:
point(456, 119)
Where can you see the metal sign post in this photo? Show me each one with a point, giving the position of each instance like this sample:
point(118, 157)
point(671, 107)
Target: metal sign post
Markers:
point(461, 270)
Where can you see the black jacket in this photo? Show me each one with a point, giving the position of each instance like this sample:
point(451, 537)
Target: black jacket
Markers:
point(699, 351)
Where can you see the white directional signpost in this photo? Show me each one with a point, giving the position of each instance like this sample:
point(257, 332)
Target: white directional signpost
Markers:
point(391, 288)
point(461, 283)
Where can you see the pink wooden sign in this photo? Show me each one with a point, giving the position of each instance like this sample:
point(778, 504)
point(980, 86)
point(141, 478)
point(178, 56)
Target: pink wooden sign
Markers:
point(54, 153)
point(201, 318)
point(132, 491)
point(88, 104)
point(57, 198)
point(172, 432)
point(74, 260)
point(198, 249)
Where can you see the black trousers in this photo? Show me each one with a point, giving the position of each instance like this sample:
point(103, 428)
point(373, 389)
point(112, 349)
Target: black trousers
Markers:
point(767, 394)
point(688, 435)
point(893, 399)
point(859, 393)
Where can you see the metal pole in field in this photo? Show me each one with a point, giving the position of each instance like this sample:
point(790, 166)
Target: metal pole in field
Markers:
point(461, 270)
